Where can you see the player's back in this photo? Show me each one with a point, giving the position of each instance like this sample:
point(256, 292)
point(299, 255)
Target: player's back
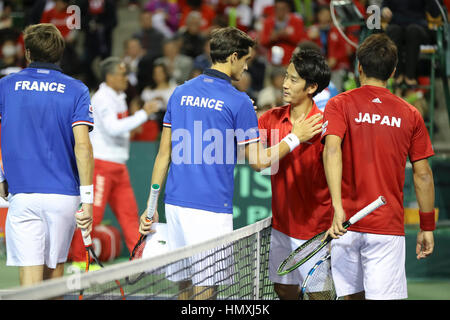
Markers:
point(38, 109)
point(205, 115)
point(382, 130)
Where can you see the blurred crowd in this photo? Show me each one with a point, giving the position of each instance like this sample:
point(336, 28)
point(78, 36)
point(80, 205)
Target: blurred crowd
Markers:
point(170, 45)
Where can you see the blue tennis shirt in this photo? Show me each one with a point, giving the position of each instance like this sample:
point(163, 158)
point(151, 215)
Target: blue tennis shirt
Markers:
point(208, 118)
point(38, 107)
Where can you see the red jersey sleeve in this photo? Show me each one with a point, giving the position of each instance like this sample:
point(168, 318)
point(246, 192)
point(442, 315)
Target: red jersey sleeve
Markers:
point(334, 122)
point(262, 126)
point(420, 147)
point(266, 31)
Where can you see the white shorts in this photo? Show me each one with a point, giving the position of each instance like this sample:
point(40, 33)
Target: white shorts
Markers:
point(372, 263)
point(281, 246)
point(39, 228)
point(187, 226)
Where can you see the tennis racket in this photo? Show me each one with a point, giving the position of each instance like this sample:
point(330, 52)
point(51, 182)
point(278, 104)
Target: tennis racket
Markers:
point(140, 245)
point(91, 253)
point(311, 247)
point(151, 207)
point(318, 284)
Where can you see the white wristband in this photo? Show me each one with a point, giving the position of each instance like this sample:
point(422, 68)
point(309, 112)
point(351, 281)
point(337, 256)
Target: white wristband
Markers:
point(2, 176)
point(87, 194)
point(292, 141)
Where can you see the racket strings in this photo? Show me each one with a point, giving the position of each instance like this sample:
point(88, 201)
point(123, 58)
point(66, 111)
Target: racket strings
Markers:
point(138, 248)
point(138, 251)
point(319, 285)
point(304, 251)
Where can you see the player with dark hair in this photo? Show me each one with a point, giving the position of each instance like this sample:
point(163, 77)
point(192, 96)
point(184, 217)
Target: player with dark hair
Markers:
point(300, 199)
point(369, 133)
point(47, 157)
point(207, 123)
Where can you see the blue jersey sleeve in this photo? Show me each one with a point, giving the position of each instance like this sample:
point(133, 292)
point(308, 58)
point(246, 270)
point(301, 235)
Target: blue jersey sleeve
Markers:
point(1, 100)
point(246, 123)
point(167, 120)
point(83, 111)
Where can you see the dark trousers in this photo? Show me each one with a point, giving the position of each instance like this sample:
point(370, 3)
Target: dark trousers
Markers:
point(408, 40)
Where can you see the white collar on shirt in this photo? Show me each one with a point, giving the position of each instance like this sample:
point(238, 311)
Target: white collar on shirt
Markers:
point(111, 91)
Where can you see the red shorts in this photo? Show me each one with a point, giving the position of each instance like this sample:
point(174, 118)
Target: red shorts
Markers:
point(111, 186)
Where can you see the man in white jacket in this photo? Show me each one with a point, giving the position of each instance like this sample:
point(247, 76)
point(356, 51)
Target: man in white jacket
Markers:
point(111, 144)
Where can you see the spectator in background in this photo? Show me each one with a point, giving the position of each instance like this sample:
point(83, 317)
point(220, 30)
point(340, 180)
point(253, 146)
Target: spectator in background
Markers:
point(244, 84)
point(133, 53)
point(272, 95)
point(6, 21)
point(148, 131)
point(257, 69)
point(284, 30)
point(203, 60)
point(158, 93)
point(58, 16)
point(12, 53)
point(337, 50)
point(318, 32)
point(161, 88)
point(169, 11)
point(11, 61)
point(192, 39)
point(178, 64)
point(208, 13)
point(110, 142)
point(407, 27)
point(150, 37)
point(258, 7)
point(238, 14)
point(98, 20)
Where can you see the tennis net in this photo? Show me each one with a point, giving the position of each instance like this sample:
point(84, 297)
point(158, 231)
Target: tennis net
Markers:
point(232, 266)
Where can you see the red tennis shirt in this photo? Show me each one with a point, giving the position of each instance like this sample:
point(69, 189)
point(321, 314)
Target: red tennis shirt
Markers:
point(379, 131)
point(301, 203)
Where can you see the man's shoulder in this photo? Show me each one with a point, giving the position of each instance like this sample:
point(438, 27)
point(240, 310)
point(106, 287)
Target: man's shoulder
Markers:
point(13, 76)
point(74, 84)
point(103, 93)
point(273, 117)
point(276, 112)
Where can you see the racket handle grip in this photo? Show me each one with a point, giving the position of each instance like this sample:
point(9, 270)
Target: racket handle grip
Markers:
point(86, 237)
point(152, 201)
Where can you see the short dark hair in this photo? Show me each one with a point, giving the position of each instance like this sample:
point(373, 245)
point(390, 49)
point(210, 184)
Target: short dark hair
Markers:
point(378, 56)
point(225, 41)
point(44, 42)
point(312, 67)
point(308, 44)
point(109, 66)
